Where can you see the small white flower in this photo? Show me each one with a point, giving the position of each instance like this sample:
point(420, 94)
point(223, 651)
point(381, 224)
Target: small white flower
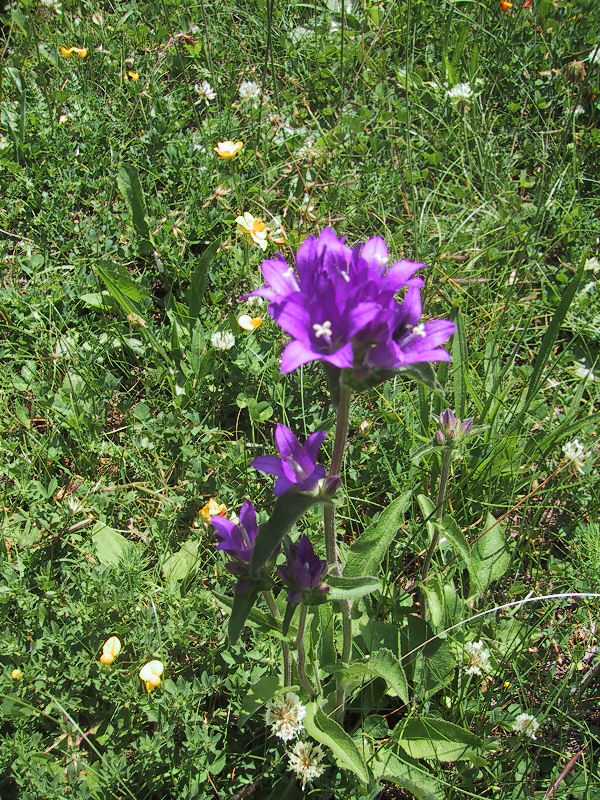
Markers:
point(222, 340)
point(285, 715)
point(254, 301)
point(591, 264)
point(578, 110)
point(461, 92)
point(527, 724)
point(205, 92)
point(306, 760)
point(479, 658)
point(574, 453)
point(249, 92)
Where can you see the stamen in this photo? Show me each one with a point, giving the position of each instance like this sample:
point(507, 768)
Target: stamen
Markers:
point(323, 330)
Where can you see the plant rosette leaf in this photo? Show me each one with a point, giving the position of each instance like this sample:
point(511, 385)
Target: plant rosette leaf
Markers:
point(432, 737)
point(379, 664)
point(368, 551)
point(327, 731)
point(109, 544)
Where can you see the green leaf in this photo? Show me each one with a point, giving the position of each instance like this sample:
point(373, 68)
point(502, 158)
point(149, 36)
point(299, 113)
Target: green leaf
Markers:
point(450, 529)
point(109, 544)
point(442, 601)
point(327, 731)
point(549, 339)
point(431, 737)
point(179, 565)
point(368, 551)
point(195, 294)
point(380, 664)
point(287, 510)
point(256, 619)
point(103, 301)
point(121, 285)
point(259, 693)
point(391, 766)
point(490, 556)
point(424, 374)
point(242, 604)
point(428, 511)
point(351, 588)
point(128, 184)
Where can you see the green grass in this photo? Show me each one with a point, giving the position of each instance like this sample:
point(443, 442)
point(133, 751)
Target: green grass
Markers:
point(107, 423)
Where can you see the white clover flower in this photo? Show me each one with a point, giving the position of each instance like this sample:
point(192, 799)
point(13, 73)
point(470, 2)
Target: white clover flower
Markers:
point(591, 264)
point(527, 724)
point(285, 715)
point(479, 658)
point(574, 453)
point(205, 93)
point(249, 92)
point(460, 93)
point(222, 340)
point(306, 760)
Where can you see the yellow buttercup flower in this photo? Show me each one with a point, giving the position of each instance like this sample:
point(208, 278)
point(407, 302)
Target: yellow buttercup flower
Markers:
point(249, 323)
point(110, 650)
point(68, 52)
point(228, 149)
point(131, 75)
point(255, 228)
point(150, 673)
point(16, 674)
point(212, 509)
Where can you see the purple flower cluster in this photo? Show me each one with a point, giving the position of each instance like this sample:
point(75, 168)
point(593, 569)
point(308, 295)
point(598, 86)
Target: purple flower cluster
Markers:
point(297, 468)
point(304, 571)
point(238, 542)
point(339, 306)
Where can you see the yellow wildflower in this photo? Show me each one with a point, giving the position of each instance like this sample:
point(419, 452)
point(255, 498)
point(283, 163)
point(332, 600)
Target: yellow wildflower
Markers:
point(505, 5)
point(110, 650)
point(212, 509)
point(132, 76)
point(228, 149)
point(68, 52)
point(249, 323)
point(150, 673)
point(255, 228)
point(16, 674)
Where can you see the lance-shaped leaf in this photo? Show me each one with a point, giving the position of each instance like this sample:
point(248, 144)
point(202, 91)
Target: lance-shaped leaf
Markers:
point(380, 664)
point(287, 510)
point(256, 619)
point(351, 588)
point(490, 556)
point(403, 771)
point(128, 184)
point(242, 605)
point(368, 551)
point(327, 731)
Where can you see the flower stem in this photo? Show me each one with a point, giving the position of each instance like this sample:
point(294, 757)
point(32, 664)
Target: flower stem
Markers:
point(341, 431)
point(285, 648)
point(301, 653)
point(441, 501)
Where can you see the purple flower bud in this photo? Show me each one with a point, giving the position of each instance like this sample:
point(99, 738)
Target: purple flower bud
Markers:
point(303, 572)
point(238, 541)
point(439, 437)
point(297, 469)
point(467, 425)
point(447, 420)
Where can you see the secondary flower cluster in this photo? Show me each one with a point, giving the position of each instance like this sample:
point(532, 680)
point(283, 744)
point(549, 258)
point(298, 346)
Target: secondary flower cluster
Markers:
point(339, 306)
point(297, 471)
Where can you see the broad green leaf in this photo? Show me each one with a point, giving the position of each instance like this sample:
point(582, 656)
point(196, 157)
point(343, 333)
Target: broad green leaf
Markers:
point(380, 664)
point(490, 556)
point(259, 693)
point(443, 603)
point(179, 565)
point(128, 184)
point(351, 588)
point(120, 284)
point(368, 551)
point(431, 737)
point(242, 604)
point(399, 769)
point(256, 619)
point(327, 731)
point(428, 511)
point(110, 546)
point(287, 510)
point(103, 301)
point(450, 529)
point(195, 293)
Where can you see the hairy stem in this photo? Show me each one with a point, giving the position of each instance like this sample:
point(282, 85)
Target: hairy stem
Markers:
point(441, 500)
point(285, 648)
point(302, 655)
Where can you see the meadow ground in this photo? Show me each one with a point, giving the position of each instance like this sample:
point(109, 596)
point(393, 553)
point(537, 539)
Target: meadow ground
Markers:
point(466, 134)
